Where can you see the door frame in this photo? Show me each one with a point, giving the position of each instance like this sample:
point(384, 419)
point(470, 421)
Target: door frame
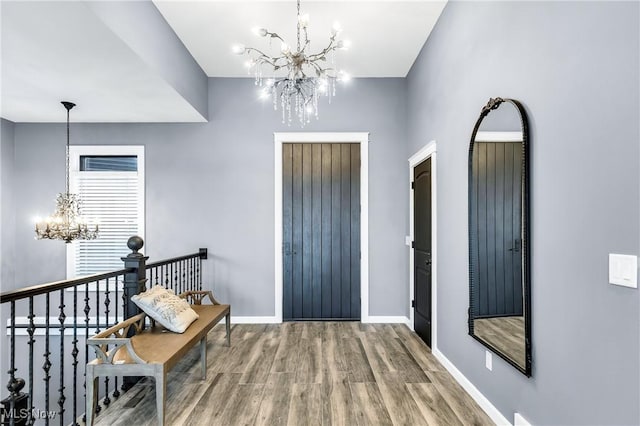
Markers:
point(362, 138)
point(428, 151)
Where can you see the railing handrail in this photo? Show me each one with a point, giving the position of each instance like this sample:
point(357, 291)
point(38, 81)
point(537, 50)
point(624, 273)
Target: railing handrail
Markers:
point(23, 293)
point(173, 260)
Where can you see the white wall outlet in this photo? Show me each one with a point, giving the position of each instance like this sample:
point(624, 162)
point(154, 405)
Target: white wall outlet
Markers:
point(623, 270)
point(488, 360)
point(407, 240)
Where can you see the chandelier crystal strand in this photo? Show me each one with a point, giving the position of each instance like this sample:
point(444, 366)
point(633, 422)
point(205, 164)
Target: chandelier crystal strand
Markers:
point(66, 223)
point(305, 79)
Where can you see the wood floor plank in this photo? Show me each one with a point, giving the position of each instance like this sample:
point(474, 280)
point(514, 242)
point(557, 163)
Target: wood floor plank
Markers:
point(403, 362)
point(460, 402)
point(379, 360)
point(305, 407)
point(402, 408)
point(261, 360)
point(332, 357)
point(418, 349)
point(213, 402)
point(288, 353)
point(309, 368)
point(337, 404)
point(433, 406)
point(313, 329)
point(356, 360)
point(243, 405)
point(368, 405)
point(274, 408)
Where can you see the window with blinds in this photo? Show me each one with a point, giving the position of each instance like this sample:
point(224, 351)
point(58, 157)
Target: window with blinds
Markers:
point(110, 183)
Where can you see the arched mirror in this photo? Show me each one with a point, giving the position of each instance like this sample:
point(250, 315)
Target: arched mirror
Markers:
point(499, 288)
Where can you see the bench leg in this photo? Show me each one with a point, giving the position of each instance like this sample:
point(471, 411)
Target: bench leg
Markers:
point(203, 357)
point(228, 321)
point(92, 396)
point(161, 389)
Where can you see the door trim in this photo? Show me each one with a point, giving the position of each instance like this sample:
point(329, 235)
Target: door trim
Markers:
point(428, 151)
point(323, 137)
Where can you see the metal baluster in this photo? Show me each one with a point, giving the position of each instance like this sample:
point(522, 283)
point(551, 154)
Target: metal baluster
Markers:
point(116, 392)
point(86, 311)
point(198, 265)
point(97, 330)
point(47, 364)
point(106, 401)
point(74, 354)
point(17, 400)
point(184, 283)
point(166, 276)
point(61, 319)
point(123, 387)
point(191, 286)
point(176, 283)
point(32, 341)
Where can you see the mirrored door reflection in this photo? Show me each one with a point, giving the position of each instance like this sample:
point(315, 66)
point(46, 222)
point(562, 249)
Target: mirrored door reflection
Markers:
point(497, 234)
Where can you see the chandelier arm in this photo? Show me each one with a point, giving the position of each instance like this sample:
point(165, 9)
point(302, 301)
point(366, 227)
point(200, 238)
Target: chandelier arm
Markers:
point(275, 35)
point(316, 56)
point(264, 58)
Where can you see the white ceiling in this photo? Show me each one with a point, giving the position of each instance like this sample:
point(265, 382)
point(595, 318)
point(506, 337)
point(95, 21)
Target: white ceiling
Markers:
point(385, 36)
point(60, 50)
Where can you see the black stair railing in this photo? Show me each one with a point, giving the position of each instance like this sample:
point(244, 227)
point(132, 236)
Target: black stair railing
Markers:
point(48, 325)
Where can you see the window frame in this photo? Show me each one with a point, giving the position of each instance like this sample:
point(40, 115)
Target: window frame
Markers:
point(75, 152)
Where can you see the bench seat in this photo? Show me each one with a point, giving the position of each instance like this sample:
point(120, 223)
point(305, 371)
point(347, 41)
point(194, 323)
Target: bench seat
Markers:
point(153, 351)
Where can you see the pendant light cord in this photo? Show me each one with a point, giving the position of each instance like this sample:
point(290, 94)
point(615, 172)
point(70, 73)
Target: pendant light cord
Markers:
point(298, 31)
point(67, 153)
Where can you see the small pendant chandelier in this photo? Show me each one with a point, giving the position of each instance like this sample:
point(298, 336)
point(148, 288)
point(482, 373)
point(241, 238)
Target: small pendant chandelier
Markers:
point(66, 223)
point(308, 75)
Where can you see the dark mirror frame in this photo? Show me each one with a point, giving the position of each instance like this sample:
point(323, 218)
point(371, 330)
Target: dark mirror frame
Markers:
point(493, 104)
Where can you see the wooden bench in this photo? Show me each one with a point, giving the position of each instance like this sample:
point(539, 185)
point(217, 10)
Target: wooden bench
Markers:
point(152, 351)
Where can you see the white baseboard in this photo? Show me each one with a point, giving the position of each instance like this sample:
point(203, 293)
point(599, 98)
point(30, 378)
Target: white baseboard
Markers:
point(254, 320)
point(482, 400)
point(386, 320)
point(518, 420)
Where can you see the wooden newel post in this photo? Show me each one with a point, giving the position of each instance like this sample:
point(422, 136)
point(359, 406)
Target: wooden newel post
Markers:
point(134, 281)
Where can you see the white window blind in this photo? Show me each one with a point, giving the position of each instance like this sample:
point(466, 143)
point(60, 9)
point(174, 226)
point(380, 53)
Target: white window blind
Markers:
point(112, 199)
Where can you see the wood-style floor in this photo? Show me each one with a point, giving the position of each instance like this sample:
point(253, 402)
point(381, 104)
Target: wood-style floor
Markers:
point(505, 334)
point(306, 373)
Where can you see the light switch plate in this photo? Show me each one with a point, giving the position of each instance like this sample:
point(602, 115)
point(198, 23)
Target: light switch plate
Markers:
point(623, 270)
point(407, 240)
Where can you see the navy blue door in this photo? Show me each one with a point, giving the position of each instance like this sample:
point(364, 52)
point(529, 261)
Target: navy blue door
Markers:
point(321, 231)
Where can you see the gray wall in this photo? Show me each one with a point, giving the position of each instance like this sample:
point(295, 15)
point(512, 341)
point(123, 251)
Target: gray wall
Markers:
point(211, 185)
point(7, 211)
point(575, 66)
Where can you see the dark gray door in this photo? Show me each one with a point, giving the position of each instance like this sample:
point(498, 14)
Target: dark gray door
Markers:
point(495, 206)
point(422, 250)
point(321, 231)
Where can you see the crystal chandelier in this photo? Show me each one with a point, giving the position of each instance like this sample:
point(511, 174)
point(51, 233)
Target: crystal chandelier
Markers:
point(308, 76)
point(66, 223)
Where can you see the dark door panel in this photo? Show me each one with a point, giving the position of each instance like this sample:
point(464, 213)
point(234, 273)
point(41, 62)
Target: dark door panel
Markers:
point(422, 249)
point(321, 231)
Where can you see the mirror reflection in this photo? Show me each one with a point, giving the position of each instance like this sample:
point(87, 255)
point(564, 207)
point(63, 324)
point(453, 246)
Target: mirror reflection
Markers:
point(498, 217)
